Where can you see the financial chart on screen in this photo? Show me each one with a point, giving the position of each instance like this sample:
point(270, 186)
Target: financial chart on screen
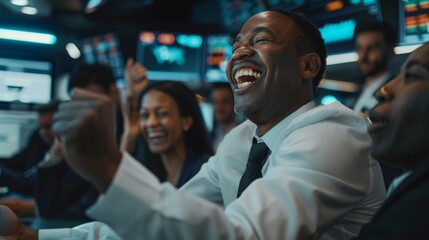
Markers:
point(171, 56)
point(105, 49)
point(414, 21)
point(218, 51)
point(336, 19)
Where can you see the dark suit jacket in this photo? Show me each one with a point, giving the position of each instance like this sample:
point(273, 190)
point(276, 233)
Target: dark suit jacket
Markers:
point(405, 214)
point(13, 169)
point(61, 193)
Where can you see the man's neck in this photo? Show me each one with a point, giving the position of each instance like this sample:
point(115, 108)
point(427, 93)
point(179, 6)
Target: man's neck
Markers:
point(265, 126)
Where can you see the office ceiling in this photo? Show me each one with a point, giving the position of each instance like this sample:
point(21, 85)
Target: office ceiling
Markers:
point(70, 22)
point(72, 16)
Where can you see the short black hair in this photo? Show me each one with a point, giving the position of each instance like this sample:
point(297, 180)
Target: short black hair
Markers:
point(85, 74)
point(308, 40)
point(47, 108)
point(390, 34)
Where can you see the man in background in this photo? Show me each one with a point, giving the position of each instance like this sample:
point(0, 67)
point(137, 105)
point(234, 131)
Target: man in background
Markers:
point(18, 173)
point(375, 43)
point(224, 114)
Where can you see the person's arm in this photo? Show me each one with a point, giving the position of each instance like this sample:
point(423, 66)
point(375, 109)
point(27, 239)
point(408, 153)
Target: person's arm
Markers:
point(305, 190)
point(21, 207)
point(87, 231)
point(12, 228)
point(135, 76)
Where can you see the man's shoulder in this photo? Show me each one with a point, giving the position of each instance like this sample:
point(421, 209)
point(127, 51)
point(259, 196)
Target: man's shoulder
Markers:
point(244, 129)
point(333, 120)
point(334, 112)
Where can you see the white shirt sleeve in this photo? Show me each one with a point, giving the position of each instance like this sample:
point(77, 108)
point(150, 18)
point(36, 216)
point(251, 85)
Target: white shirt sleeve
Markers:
point(137, 206)
point(88, 231)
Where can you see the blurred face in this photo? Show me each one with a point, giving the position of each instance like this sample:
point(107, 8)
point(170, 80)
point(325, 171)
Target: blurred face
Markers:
point(373, 53)
point(223, 103)
point(46, 120)
point(263, 70)
point(400, 129)
point(161, 123)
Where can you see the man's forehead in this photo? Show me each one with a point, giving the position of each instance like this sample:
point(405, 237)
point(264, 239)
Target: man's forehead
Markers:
point(372, 36)
point(271, 20)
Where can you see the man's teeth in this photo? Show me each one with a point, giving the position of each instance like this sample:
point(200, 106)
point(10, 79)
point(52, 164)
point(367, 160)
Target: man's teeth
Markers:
point(243, 84)
point(240, 73)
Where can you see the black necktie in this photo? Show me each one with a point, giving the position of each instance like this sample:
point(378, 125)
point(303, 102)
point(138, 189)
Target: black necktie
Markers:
point(257, 157)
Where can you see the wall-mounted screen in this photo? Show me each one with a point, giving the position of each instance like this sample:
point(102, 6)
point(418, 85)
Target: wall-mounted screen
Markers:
point(218, 51)
point(236, 12)
point(171, 56)
point(25, 81)
point(336, 20)
point(105, 49)
point(414, 21)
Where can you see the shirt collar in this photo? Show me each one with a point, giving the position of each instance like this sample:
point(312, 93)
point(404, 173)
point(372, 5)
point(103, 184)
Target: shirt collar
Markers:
point(270, 137)
point(379, 81)
point(397, 181)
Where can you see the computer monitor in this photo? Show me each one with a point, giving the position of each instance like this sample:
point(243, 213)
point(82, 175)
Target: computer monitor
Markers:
point(218, 50)
point(171, 56)
point(414, 21)
point(105, 49)
point(235, 12)
point(25, 81)
point(336, 20)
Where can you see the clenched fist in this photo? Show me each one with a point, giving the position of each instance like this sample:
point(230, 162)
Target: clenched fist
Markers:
point(86, 128)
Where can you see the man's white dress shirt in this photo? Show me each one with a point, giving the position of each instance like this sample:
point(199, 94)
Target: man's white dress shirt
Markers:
point(318, 182)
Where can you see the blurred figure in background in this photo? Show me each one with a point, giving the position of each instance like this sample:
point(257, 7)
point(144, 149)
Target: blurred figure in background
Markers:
point(19, 173)
point(375, 43)
point(224, 114)
point(59, 192)
point(400, 134)
point(175, 142)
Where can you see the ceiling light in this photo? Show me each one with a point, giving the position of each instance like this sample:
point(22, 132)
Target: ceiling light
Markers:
point(29, 10)
point(19, 2)
point(93, 5)
point(26, 36)
point(73, 51)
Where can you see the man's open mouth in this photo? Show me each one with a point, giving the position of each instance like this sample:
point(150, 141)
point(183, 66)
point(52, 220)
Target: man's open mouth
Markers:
point(245, 76)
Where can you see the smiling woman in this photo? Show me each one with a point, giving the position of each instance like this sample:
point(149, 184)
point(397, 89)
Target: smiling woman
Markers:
point(175, 140)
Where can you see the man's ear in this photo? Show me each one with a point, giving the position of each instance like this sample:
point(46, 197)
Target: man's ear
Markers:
point(309, 65)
